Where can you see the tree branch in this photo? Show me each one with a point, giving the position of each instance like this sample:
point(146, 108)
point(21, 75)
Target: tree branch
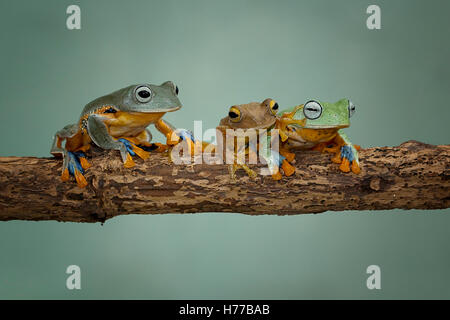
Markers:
point(411, 176)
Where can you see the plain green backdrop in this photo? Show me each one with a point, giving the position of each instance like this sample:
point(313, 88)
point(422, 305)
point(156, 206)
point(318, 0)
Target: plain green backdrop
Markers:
point(222, 53)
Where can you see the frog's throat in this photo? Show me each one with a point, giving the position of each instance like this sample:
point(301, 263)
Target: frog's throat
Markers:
point(313, 135)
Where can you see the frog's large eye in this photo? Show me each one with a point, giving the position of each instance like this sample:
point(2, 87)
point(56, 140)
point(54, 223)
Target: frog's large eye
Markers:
point(234, 114)
point(172, 86)
point(351, 108)
point(273, 107)
point(143, 94)
point(312, 110)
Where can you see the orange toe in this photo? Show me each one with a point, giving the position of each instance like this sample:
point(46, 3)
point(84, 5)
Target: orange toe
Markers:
point(287, 168)
point(337, 158)
point(357, 147)
point(129, 163)
point(355, 167)
point(345, 165)
point(81, 180)
point(289, 156)
point(84, 163)
point(141, 153)
point(161, 147)
point(172, 139)
point(65, 175)
point(277, 176)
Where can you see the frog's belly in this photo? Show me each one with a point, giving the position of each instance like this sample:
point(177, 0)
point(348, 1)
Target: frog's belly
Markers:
point(127, 124)
point(308, 138)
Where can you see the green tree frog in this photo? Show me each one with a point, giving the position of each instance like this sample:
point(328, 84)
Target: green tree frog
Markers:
point(119, 121)
point(317, 125)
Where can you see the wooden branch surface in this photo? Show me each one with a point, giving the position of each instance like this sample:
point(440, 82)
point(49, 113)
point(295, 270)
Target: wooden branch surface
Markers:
point(411, 176)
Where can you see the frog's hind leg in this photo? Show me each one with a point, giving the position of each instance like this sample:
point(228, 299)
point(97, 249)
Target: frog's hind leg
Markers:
point(346, 154)
point(67, 132)
point(74, 163)
point(288, 169)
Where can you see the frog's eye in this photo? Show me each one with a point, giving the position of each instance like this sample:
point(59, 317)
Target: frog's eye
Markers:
point(172, 86)
point(143, 94)
point(273, 107)
point(312, 110)
point(351, 108)
point(234, 114)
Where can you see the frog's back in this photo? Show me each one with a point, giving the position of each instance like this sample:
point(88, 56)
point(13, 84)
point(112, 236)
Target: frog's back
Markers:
point(115, 99)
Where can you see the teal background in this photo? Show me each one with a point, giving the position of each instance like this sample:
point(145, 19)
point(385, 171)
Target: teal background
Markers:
point(222, 53)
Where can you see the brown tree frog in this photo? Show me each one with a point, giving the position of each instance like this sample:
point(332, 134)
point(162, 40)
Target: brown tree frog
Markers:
point(254, 115)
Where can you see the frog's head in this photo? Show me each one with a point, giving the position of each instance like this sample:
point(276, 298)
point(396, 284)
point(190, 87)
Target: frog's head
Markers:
point(324, 115)
point(147, 98)
point(255, 115)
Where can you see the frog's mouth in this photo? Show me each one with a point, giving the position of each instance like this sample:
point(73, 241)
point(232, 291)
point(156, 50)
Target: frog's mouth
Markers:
point(171, 109)
point(225, 123)
point(318, 127)
point(267, 126)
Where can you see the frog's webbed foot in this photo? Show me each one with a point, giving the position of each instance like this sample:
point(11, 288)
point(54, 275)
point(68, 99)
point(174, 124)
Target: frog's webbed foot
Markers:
point(232, 168)
point(348, 159)
point(133, 150)
point(281, 160)
point(75, 164)
point(288, 170)
point(180, 136)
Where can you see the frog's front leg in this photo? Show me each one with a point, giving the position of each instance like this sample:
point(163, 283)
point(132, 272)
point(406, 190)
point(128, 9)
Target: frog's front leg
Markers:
point(347, 154)
point(174, 136)
point(98, 131)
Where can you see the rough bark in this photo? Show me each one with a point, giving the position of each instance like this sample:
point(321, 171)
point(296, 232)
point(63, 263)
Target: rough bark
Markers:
point(411, 176)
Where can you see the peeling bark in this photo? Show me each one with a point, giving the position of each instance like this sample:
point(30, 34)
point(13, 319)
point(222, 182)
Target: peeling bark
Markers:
point(413, 175)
